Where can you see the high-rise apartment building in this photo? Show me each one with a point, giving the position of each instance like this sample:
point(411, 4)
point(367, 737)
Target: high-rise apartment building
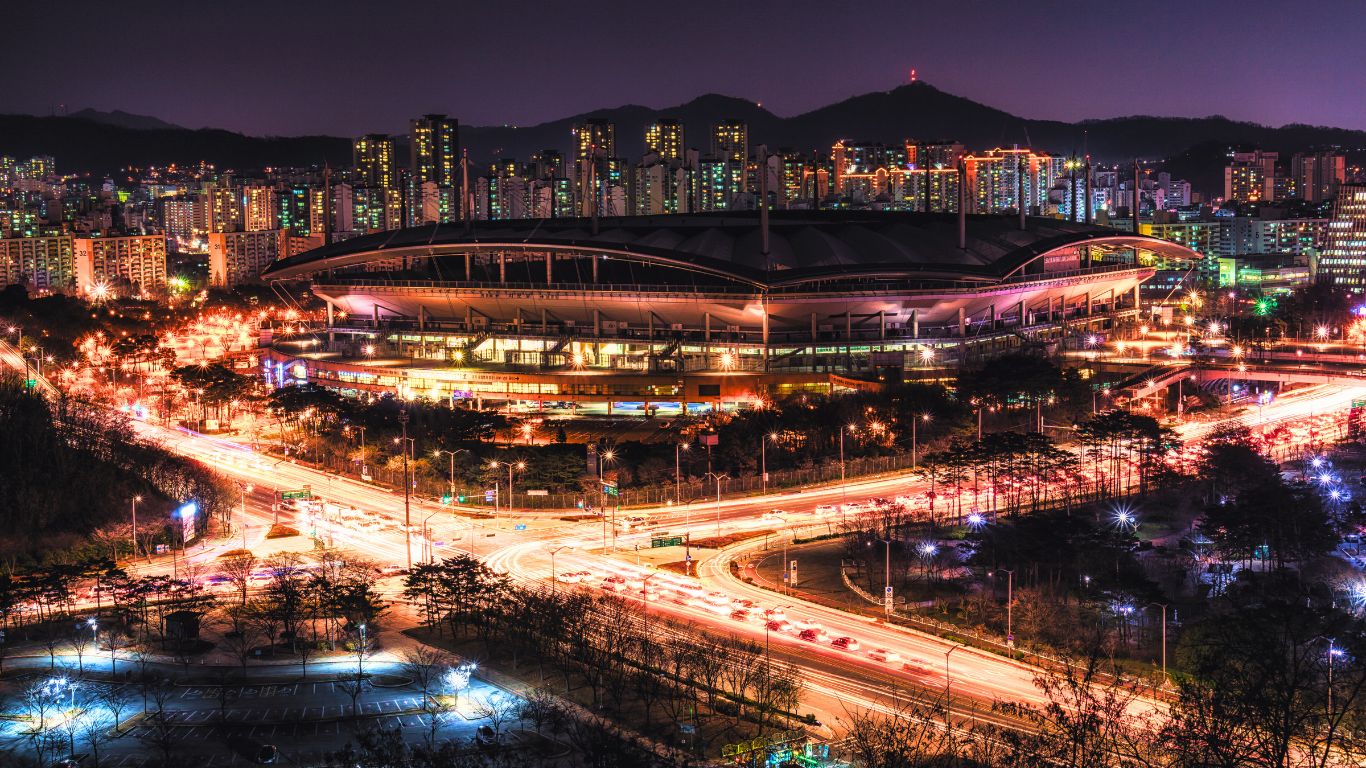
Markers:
point(373, 156)
point(1317, 175)
point(140, 260)
point(665, 138)
point(434, 143)
point(730, 144)
point(993, 180)
point(1251, 176)
point(260, 208)
point(1344, 252)
point(185, 218)
point(595, 141)
point(238, 257)
point(40, 263)
point(225, 210)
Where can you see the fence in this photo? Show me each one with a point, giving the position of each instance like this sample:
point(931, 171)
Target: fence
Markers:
point(688, 491)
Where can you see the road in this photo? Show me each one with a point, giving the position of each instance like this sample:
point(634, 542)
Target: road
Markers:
point(520, 544)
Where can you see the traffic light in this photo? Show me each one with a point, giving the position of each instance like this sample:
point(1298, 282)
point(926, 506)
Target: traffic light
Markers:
point(461, 498)
point(446, 500)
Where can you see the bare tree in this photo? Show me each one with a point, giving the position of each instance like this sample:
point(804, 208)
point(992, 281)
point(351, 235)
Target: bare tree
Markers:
point(353, 685)
point(499, 709)
point(424, 665)
point(111, 696)
point(237, 570)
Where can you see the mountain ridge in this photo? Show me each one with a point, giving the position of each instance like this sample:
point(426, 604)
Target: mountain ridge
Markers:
point(915, 110)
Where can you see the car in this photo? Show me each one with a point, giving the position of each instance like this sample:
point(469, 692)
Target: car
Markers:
point(570, 577)
point(776, 516)
point(884, 655)
point(267, 754)
point(813, 635)
point(775, 614)
point(485, 736)
point(739, 615)
point(824, 509)
point(800, 623)
point(778, 626)
point(847, 643)
point(614, 586)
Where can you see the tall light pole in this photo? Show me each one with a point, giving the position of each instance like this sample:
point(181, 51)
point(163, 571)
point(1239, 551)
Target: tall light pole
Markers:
point(1010, 610)
point(923, 417)
point(678, 474)
point(763, 457)
point(136, 499)
point(844, 496)
point(554, 577)
point(245, 488)
point(948, 683)
point(603, 458)
point(886, 578)
point(1163, 606)
point(451, 480)
point(407, 517)
point(718, 478)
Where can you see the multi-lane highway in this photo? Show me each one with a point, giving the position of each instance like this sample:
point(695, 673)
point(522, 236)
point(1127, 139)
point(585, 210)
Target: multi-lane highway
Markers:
point(521, 543)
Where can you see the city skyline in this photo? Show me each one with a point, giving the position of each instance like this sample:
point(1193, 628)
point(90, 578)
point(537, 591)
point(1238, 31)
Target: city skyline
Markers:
point(760, 55)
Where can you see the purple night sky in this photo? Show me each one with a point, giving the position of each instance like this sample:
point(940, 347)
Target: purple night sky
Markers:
point(345, 67)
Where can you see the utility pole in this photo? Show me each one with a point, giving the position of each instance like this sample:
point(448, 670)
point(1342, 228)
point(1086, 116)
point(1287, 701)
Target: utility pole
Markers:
point(407, 518)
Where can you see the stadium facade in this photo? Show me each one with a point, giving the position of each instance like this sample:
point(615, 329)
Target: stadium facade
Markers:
point(690, 312)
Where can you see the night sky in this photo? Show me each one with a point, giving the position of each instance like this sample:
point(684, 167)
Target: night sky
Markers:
point(345, 67)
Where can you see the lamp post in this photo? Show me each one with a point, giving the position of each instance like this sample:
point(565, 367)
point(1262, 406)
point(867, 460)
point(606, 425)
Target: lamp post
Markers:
point(407, 517)
point(427, 539)
point(948, 683)
point(245, 488)
point(678, 474)
point(1010, 609)
point(923, 417)
point(136, 499)
point(554, 577)
point(603, 458)
point(763, 457)
point(451, 479)
point(1163, 606)
point(718, 478)
point(360, 653)
point(844, 496)
point(886, 577)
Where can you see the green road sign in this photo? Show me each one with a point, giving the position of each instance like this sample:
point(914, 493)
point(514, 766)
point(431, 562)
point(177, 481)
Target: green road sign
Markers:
point(305, 492)
point(669, 541)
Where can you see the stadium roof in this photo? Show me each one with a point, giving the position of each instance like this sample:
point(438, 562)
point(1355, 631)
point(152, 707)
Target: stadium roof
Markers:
point(803, 245)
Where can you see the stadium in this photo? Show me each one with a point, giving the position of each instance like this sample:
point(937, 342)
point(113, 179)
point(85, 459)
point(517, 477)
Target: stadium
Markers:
point(692, 312)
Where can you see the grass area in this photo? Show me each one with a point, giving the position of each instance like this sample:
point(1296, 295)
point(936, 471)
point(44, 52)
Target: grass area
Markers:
point(281, 531)
point(717, 542)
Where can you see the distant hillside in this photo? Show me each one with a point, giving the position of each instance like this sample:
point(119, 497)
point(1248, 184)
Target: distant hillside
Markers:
point(123, 119)
point(918, 110)
point(80, 145)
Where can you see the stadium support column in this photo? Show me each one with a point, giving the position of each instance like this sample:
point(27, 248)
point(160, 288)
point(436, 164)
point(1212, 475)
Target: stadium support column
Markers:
point(502, 268)
point(374, 315)
point(915, 323)
point(706, 328)
point(468, 268)
point(1088, 303)
point(549, 268)
point(882, 324)
point(1138, 303)
point(421, 318)
point(1020, 310)
point(331, 335)
point(848, 340)
point(962, 323)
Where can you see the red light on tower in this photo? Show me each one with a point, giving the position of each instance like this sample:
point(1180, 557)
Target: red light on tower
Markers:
point(913, 75)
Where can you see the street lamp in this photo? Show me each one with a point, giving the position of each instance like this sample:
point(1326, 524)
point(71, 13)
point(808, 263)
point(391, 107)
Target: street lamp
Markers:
point(948, 683)
point(925, 417)
point(554, 577)
point(360, 653)
point(1010, 609)
point(437, 454)
point(511, 465)
point(136, 499)
point(718, 478)
point(886, 575)
point(844, 497)
point(406, 443)
point(678, 475)
point(763, 457)
point(1163, 606)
